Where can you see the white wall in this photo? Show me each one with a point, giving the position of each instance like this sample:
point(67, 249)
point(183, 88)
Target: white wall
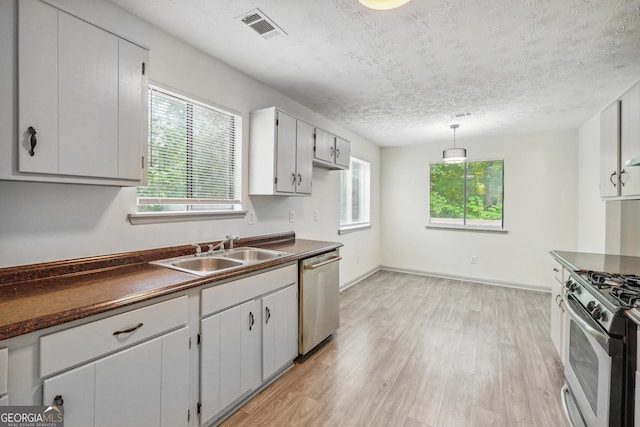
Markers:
point(540, 210)
point(44, 222)
point(591, 208)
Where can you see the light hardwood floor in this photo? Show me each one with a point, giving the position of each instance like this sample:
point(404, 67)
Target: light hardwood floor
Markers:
point(422, 351)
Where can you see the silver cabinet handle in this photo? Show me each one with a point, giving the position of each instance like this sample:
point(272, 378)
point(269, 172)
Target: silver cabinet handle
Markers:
point(329, 261)
point(611, 178)
point(299, 179)
point(293, 174)
point(620, 179)
point(556, 270)
point(337, 153)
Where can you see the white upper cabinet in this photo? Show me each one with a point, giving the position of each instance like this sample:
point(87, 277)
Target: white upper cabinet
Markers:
point(330, 151)
point(609, 150)
point(280, 154)
point(82, 100)
point(620, 147)
point(325, 146)
point(630, 142)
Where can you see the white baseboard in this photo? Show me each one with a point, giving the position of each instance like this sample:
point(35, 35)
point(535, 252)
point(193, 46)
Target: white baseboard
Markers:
point(523, 286)
point(359, 279)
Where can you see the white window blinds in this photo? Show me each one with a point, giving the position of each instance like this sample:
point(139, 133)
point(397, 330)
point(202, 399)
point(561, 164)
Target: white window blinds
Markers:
point(194, 155)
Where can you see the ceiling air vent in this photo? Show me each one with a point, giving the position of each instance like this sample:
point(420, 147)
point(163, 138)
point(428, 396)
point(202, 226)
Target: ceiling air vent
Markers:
point(262, 24)
point(460, 115)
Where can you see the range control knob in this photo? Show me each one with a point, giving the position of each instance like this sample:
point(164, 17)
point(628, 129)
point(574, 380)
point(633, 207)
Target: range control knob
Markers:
point(591, 305)
point(596, 313)
point(571, 285)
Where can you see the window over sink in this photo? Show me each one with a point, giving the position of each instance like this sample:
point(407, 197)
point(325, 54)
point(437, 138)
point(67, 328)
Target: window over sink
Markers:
point(194, 160)
point(467, 195)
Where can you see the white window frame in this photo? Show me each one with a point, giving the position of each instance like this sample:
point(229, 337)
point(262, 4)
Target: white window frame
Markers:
point(365, 197)
point(465, 226)
point(190, 209)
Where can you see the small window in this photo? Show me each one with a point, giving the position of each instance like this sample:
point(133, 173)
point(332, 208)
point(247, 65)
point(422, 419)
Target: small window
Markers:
point(467, 195)
point(194, 156)
point(355, 196)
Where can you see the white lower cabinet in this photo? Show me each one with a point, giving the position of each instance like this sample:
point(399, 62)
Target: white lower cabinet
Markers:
point(4, 375)
point(279, 330)
point(230, 364)
point(144, 385)
point(557, 308)
point(249, 334)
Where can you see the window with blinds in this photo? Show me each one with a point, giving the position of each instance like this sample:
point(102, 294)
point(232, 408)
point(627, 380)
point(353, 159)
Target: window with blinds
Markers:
point(194, 156)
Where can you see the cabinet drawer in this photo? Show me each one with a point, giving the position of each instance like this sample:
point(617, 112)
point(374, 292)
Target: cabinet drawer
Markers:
point(4, 370)
point(229, 294)
point(558, 273)
point(71, 347)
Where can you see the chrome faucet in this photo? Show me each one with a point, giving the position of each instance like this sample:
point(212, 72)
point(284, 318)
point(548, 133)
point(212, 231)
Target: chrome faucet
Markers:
point(231, 238)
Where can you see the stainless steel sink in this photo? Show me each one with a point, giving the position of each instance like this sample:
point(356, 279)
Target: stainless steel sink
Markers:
point(205, 265)
point(253, 254)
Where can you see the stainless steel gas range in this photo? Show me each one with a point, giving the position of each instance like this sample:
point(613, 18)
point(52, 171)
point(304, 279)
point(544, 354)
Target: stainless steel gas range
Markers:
point(600, 347)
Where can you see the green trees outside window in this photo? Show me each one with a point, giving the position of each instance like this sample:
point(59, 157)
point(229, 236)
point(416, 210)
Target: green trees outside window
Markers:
point(467, 194)
point(193, 159)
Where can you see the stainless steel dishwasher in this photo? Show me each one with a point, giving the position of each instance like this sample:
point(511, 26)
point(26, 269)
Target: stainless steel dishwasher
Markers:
point(319, 314)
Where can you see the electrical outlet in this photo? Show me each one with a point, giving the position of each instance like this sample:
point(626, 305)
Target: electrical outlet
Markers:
point(474, 259)
point(251, 218)
point(316, 215)
point(292, 216)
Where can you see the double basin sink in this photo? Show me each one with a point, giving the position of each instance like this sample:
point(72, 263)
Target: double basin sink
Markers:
point(206, 264)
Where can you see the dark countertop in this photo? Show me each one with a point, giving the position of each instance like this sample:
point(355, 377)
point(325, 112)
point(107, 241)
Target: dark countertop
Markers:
point(617, 264)
point(39, 296)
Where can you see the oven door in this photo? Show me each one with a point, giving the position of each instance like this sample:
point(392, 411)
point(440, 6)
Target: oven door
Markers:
point(587, 364)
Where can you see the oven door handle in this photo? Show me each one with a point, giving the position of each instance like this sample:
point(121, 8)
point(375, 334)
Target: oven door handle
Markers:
point(584, 324)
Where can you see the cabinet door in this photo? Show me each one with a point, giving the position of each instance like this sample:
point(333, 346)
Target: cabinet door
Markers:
point(556, 315)
point(304, 157)
point(38, 86)
point(229, 358)
point(325, 146)
point(343, 152)
point(76, 387)
point(88, 91)
point(210, 367)
point(630, 141)
point(145, 385)
point(609, 150)
point(279, 330)
point(133, 84)
point(239, 351)
point(128, 387)
point(286, 153)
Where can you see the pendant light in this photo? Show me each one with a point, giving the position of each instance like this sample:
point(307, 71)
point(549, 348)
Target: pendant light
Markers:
point(383, 4)
point(454, 155)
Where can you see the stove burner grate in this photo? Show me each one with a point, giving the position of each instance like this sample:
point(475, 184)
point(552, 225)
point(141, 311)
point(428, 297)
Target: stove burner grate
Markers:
point(626, 296)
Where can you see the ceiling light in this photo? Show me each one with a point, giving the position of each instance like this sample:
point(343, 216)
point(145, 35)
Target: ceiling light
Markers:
point(383, 4)
point(454, 155)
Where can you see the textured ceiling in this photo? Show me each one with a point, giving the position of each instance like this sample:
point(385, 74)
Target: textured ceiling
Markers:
point(397, 77)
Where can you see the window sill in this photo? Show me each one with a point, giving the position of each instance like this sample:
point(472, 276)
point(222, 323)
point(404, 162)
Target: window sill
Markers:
point(351, 228)
point(467, 228)
point(163, 217)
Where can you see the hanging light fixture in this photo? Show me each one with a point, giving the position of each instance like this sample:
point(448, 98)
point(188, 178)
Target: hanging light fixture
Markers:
point(383, 4)
point(454, 155)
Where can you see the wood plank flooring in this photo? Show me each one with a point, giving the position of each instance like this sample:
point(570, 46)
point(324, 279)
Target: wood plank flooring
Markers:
point(421, 351)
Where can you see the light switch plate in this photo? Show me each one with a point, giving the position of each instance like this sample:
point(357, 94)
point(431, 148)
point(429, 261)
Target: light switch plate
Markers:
point(292, 216)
